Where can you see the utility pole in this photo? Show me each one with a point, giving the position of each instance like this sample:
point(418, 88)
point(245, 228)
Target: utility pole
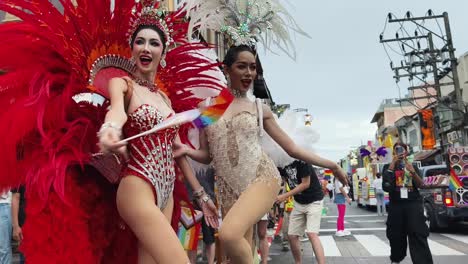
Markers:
point(453, 64)
point(424, 55)
point(434, 66)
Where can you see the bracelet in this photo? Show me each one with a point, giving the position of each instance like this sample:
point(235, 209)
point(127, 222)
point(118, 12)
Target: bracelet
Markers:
point(203, 199)
point(107, 125)
point(199, 193)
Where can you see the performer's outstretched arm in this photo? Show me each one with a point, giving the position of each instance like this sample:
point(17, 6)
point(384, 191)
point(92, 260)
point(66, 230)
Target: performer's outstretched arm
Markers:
point(111, 131)
point(201, 155)
point(295, 151)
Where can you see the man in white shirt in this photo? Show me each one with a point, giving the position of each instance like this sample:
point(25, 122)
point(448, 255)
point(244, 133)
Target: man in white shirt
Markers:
point(379, 195)
point(5, 228)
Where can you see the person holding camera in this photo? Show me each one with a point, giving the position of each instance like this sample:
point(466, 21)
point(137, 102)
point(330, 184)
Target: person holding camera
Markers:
point(406, 221)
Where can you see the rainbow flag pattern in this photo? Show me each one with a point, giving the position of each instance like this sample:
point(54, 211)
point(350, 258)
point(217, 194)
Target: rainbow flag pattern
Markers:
point(189, 238)
point(217, 108)
point(454, 182)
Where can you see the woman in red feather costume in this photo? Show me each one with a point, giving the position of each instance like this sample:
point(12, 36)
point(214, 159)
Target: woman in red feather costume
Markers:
point(56, 66)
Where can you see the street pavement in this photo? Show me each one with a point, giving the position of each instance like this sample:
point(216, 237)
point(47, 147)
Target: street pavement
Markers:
point(368, 243)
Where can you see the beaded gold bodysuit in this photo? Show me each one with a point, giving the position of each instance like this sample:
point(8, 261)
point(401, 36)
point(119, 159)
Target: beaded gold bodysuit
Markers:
point(238, 157)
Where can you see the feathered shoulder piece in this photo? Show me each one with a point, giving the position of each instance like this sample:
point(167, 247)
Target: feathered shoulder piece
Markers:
point(245, 22)
point(300, 132)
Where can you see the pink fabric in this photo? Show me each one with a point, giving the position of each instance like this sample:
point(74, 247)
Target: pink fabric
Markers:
point(341, 214)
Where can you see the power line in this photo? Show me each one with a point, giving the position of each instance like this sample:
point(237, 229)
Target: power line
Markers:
point(424, 56)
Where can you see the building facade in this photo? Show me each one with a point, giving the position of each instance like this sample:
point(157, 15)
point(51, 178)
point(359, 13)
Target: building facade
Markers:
point(390, 110)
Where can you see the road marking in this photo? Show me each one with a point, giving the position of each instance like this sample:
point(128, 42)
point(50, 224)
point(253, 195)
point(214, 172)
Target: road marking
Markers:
point(356, 229)
point(374, 245)
point(438, 249)
point(379, 248)
point(330, 247)
point(334, 221)
point(461, 238)
point(350, 216)
point(368, 221)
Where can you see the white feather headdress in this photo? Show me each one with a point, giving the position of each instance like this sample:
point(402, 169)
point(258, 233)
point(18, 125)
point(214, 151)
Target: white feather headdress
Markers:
point(245, 22)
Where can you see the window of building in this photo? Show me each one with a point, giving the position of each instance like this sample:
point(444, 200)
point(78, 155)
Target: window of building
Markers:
point(413, 138)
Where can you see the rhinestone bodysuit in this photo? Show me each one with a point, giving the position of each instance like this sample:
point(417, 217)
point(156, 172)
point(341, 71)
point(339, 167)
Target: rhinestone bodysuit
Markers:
point(151, 156)
point(238, 157)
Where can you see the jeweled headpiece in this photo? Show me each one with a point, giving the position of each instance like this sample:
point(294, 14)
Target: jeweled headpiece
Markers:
point(150, 13)
point(245, 22)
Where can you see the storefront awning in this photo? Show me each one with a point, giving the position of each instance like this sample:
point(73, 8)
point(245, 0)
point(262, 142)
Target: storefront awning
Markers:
point(425, 154)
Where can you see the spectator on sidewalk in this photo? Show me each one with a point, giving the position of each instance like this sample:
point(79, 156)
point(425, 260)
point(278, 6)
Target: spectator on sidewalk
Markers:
point(406, 220)
point(5, 228)
point(350, 187)
point(308, 203)
point(324, 183)
point(341, 198)
point(207, 180)
point(330, 188)
point(262, 227)
point(209, 242)
point(206, 177)
point(18, 215)
point(379, 195)
point(288, 208)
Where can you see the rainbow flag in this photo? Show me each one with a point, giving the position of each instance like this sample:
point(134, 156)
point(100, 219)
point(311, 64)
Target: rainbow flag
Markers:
point(189, 238)
point(455, 182)
point(211, 114)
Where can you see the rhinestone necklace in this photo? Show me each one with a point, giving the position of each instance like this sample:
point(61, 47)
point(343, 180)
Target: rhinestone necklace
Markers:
point(237, 93)
point(145, 83)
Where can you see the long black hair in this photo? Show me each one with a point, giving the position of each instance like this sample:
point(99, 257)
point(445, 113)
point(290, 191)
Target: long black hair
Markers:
point(233, 54)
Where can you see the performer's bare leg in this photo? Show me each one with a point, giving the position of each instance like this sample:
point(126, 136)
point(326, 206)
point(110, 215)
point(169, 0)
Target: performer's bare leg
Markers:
point(144, 257)
point(248, 237)
point(249, 208)
point(136, 205)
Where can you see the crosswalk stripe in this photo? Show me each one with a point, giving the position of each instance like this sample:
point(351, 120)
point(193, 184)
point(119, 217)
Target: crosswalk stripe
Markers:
point(374, 245)
point(355, 229)
point(329, 246)
point(438, 249)
point(461, 238)
point(378, 247)
point(350, 216)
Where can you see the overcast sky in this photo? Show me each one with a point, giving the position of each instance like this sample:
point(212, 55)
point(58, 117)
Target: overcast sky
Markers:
point(342, 73)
